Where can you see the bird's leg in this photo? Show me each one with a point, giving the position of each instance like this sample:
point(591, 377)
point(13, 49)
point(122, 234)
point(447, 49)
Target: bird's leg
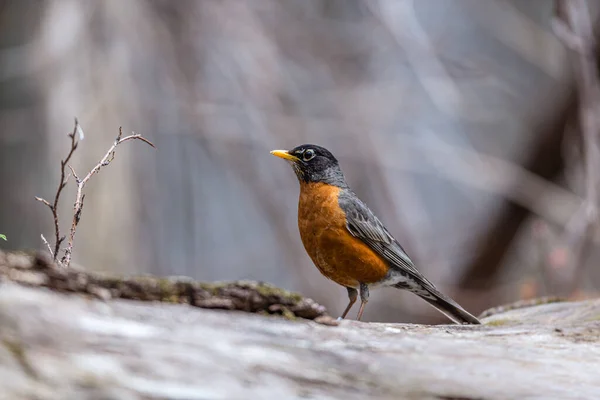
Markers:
point(352, 295)
point(364, 298)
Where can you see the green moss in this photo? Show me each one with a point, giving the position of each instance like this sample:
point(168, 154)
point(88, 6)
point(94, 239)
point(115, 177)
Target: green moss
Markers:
point(264, 289)
point(548, 300)
point(213, 287)
point(499, 322)
point(143, 281)
point(288, 314)
point(168, 290)
point(267, 290)
point(164, 284)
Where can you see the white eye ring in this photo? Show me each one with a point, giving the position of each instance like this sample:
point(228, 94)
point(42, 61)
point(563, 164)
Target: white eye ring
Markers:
point(308, 155)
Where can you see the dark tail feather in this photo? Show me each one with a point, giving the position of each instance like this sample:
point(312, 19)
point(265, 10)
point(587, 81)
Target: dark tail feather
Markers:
point(444, 304)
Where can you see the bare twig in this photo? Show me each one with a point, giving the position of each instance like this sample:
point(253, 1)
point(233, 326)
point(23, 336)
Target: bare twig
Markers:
point(78, 207)
point(573, 25)
point(400, 19)
point(43, 201)
point(47, 245)
point(61, 185)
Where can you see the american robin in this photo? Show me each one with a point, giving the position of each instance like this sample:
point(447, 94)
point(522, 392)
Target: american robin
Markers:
point(347, 242)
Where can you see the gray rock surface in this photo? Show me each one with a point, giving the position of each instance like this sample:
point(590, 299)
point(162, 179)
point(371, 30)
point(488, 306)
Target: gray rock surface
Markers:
point(61, 346)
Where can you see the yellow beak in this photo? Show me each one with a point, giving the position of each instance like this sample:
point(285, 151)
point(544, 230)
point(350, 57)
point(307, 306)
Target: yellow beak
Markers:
point(285, 155)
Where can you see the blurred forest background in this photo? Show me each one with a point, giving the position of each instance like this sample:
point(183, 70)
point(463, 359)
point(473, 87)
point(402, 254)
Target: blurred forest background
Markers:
point(455, 120)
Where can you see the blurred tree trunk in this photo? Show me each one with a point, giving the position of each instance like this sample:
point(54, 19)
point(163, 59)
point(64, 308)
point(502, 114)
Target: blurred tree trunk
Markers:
point(492, 245)
point(546, 160)
point(22, 139)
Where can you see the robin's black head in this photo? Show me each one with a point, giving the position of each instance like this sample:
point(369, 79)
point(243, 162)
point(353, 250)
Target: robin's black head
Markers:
point(313, 163)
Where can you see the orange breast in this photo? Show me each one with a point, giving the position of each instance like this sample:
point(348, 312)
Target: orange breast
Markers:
point(337, 254)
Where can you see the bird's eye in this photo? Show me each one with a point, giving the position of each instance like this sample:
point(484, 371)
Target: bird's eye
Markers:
point(308, 155)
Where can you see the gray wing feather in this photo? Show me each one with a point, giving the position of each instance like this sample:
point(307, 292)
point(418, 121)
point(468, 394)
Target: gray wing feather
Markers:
point(364, 225)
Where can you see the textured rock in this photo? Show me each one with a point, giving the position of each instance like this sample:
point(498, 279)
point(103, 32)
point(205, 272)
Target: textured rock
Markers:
point(61, 346)
point(256, 297)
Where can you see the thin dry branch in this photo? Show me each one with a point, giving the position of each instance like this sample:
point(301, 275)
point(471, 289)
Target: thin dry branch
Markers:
point(47, 245)
point(61, 185)
point(78, 207)
point(400, 20)
point(573, 25)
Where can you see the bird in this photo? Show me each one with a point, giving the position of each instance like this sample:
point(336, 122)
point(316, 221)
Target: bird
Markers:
point(348, 243)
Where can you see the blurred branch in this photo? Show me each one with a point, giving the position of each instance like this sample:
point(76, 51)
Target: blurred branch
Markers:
point(61, 185)
point(573, 25)
point(534, 192)
point(78, 207)
point(568, 37)
point(503, 178)
point(401, 21)
point(544, 163)
point(508, 24)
